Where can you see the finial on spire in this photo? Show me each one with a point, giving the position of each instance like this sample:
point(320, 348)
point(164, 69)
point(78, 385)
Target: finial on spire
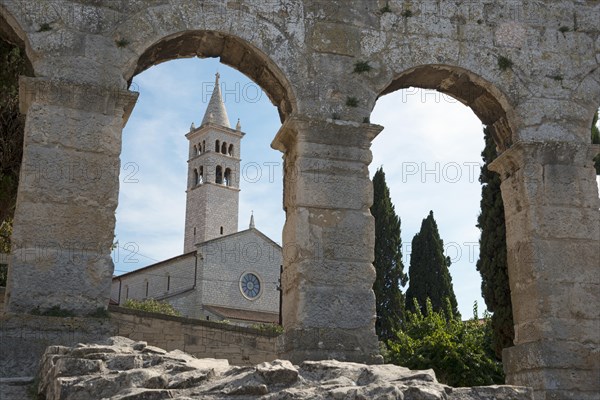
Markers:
point(238, 127)
point(252, 226)
point(192, 127)
point(215, 111)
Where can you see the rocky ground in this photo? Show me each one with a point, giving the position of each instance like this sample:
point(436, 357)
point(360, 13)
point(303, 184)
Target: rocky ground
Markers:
point(124, 369)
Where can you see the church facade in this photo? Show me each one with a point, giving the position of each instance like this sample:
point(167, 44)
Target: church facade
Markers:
point(223, 273)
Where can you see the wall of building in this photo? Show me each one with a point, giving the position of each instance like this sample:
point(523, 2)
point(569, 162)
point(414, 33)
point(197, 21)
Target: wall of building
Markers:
point(225, 261)
point(171, 280)
point(202, 339)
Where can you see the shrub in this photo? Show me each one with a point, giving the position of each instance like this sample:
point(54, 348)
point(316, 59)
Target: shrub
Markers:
point(458, 351)
point(151, 305)
point(268, 328)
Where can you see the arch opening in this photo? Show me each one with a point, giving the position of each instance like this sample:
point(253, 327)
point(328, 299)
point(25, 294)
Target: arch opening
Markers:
point(211, 167)
point(487, 102)
point(435, 161)
point(232, 51)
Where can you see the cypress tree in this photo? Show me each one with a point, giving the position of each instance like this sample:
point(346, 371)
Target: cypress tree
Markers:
point(388, 261)
point(596, 140)
point(428, 273)
point(492, 254)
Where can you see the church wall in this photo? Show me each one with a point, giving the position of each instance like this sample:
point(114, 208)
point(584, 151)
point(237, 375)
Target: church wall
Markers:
point(180, 270)
point(225, 261)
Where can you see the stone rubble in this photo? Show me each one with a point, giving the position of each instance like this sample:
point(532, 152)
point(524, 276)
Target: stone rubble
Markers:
point(122, 369)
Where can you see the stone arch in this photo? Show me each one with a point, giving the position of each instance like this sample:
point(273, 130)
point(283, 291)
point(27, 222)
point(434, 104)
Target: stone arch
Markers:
point(490, 105)
point(232, 51)
point(11, 31)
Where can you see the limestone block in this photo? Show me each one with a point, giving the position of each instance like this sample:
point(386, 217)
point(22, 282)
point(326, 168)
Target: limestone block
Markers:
point(552, 328)
point(333, 273)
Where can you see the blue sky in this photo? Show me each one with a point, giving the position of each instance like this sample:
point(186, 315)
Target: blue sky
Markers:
point(430, 151)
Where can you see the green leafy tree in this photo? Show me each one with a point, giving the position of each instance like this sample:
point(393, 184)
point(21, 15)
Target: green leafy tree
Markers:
point(429, 273)
point(458, 351)
point(12, 124)
point(596, 140)
point(153, 306)
point(492, 254)
point(388, 261)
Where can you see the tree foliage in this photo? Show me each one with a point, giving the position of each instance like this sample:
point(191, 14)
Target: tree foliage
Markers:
point(153, 306)
point(596, 140)
point(5, 234)
point(492, 264)
point(429, 273)
point(12, 125)
point(459, 352)
point(388, 261)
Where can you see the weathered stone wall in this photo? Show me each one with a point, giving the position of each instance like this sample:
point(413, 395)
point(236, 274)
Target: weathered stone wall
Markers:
point(528, 69)
point(203, 339)
point(23, 339)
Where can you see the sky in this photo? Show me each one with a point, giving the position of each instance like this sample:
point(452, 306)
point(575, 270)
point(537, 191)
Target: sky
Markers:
point(430, 151)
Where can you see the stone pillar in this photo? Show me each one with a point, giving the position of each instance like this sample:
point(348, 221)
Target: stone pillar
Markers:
point(328, 240)
point(553, 239)
point(65, 216)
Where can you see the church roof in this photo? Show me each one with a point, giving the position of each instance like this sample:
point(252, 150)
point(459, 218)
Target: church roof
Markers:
point(216, 112)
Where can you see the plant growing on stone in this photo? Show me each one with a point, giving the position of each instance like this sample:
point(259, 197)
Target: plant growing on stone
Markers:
point(407, 13)
point(45, 27)
point(121, 42)
point(153, 306)
point(352, 102)
point(504, 63)
point(564, 29)
point(385, 9)
point(361, 67)
point(458, 351)
point(54, 311)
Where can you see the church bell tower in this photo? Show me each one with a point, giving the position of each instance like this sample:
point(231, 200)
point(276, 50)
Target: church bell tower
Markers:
point(213, 175)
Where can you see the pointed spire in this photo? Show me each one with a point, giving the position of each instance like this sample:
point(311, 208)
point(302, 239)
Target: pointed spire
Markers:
point(238, 126)
point(192, 127)
point(252, 226)
point(216, 112)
